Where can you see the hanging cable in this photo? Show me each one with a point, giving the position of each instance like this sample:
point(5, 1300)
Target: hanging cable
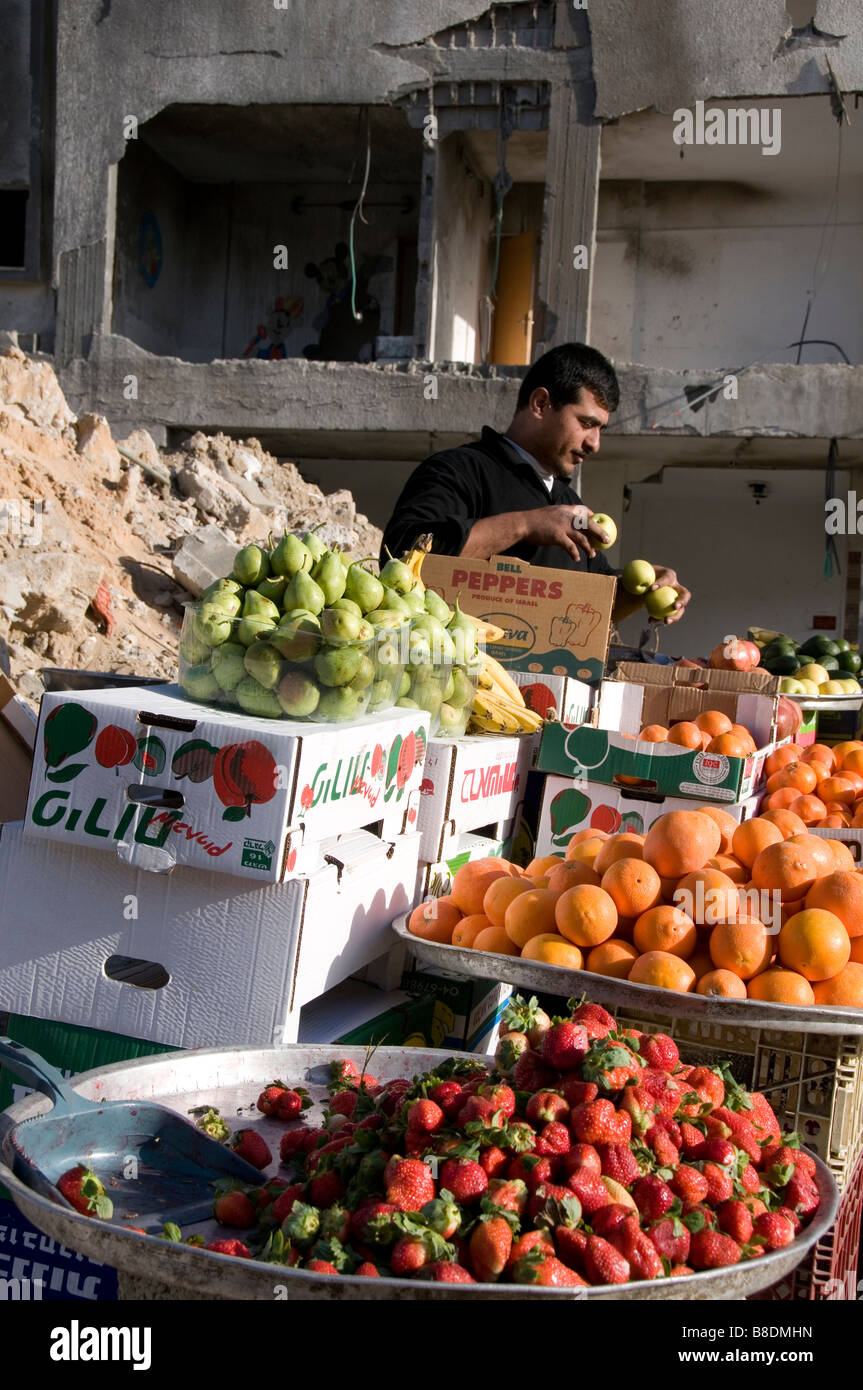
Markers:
point(358, 212)
point(831, 553)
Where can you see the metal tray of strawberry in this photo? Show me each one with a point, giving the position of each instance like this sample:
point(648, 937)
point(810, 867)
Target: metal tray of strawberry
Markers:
point(579, 1163)
point(619, 993)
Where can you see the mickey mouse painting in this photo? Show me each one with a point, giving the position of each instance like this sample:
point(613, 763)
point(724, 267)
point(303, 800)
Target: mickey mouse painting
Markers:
point(269, 340)
point(343, 338)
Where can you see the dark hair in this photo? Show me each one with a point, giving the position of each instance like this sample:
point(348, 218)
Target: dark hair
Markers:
point(564, 370)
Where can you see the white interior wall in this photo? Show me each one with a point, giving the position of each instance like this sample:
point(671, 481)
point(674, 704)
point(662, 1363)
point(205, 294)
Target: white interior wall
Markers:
point(462, 220)
point(744, 563)
point(706, 254)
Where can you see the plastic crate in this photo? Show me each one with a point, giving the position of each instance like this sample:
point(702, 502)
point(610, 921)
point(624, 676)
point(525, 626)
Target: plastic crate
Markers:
point(813, 1082)
point(830, 1270)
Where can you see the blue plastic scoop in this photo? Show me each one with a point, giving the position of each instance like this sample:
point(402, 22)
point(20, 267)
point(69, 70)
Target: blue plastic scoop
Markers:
point(155, 1165)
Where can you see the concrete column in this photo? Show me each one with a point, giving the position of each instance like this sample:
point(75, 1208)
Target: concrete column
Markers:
point(85, 280)
point(569, 217)
point(80, 297)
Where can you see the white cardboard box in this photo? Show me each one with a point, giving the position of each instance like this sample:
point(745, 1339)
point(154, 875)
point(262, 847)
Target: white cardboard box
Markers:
point(436, 879)
point(182, 783)
point(469, 783)
point(569, 806)
point(241, 958)
point(572, 699)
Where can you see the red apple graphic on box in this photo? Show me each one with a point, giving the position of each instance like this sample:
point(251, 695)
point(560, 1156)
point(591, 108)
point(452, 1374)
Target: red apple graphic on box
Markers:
point(307, 796)
point(605, 818)
point(115, 747)
point(244, 775)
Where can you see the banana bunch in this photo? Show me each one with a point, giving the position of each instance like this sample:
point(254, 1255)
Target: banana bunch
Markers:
point(486, 632)
point(764, 635)
point(498, 706)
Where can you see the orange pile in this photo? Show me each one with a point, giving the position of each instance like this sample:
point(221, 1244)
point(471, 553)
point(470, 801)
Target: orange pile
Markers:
point(762, 910)
point(711, 732)
point(823, 786)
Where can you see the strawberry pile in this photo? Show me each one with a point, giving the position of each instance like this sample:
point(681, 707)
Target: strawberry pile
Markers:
point(590, 1155)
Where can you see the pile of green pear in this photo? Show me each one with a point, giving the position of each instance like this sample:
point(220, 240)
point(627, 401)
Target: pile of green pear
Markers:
point(299, 631)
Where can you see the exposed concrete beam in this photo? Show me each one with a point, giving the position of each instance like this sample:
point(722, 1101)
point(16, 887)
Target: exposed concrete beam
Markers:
point(247, 396)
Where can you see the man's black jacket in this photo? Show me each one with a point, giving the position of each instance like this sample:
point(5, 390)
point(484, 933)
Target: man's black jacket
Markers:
point(457, 487)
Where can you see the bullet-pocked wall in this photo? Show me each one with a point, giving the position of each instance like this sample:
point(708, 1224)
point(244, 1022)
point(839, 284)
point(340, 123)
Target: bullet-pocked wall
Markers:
point(233, 232)
point(710, 254)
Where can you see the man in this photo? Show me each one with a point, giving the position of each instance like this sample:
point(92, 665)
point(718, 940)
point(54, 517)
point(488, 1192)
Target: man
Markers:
point(509, 494)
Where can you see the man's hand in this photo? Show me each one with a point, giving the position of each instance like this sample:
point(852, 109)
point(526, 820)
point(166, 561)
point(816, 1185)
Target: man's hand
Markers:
point(570, 527)
point(666, 576)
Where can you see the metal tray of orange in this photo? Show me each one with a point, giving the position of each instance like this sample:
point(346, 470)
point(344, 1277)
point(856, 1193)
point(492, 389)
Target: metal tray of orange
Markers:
point(614, 993)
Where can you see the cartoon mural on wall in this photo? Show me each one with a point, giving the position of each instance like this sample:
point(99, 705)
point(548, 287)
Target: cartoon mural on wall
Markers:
point(269, 340)
point(343, 338)
point(149, 248)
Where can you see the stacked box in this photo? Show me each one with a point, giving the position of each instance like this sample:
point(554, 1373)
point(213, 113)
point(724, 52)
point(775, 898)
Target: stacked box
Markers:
point(26, 1253)
point(470, 783)
point(470, 1011)
point(612, 754)
point(357, 1014)
point(167, 782)
point(570, 700)
point(193, 958)
point(556, 621)
point(569, 806)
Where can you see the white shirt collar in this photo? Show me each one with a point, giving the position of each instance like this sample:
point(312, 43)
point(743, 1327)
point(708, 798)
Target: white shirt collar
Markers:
point(546, 478)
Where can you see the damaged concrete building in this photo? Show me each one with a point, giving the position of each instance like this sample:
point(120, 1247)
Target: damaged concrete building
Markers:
point(344, 229)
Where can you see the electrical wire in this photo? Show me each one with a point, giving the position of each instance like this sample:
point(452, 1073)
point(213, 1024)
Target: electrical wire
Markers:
point(719, 383)
point(831, 553)
point(831, 219)
point(358, 212)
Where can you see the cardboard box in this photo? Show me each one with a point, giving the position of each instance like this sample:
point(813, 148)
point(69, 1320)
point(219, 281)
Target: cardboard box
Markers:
point(567, 808)
point(146, 769)
point(194, 959)
point(468, 783)
point(571, 700)
point(835, 726)
point(51, 1270)
point(471, 1009)
point(852, 838)
point(436, 879)
point(359, 1015)
point(557, 621)
point(17, 737)
point(26, 1253)
point(653, 694)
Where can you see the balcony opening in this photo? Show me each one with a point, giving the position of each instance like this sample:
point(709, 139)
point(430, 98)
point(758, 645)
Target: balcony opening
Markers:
point(719, 255)
point(233, 233)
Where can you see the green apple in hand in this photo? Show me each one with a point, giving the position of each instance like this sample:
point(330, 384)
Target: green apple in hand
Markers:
point(660, 603)
point(638, 576)
point(606, 524)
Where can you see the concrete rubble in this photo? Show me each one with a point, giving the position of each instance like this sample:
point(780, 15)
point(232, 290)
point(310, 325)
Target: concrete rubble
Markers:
point(102, 542)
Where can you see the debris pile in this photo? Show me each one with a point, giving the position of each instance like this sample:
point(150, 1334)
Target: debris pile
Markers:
point(102, 542)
